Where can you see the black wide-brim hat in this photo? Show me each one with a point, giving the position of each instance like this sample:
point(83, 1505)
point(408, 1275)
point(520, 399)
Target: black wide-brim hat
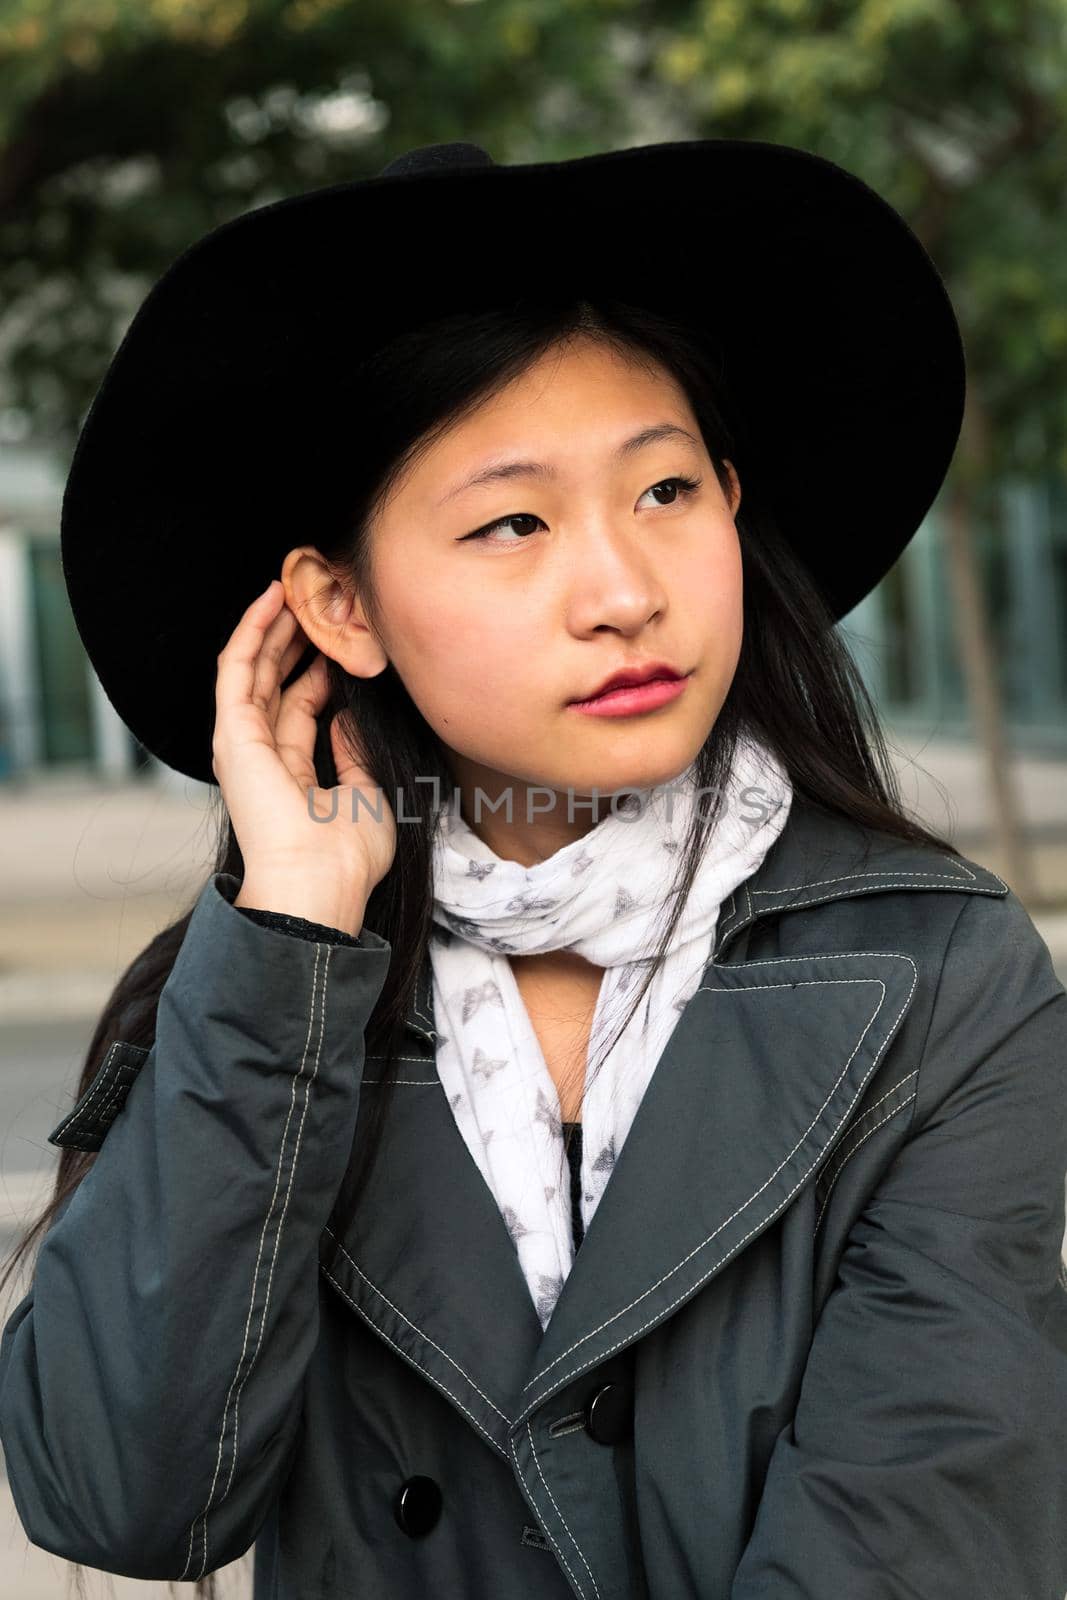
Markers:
point(212, 444)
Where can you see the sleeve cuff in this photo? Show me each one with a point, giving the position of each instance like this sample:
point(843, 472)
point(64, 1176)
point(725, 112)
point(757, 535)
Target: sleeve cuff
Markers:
point(300, 927)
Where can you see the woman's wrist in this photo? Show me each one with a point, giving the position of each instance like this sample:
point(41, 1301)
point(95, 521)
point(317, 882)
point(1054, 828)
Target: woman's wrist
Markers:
point(331, 904)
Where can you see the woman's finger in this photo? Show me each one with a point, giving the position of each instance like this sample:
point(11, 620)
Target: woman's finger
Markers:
point(236, 668)
point(292, 655)
point(283, 644)
point(296, 724)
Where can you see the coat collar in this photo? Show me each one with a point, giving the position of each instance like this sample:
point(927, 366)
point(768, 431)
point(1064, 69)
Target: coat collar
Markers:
point(428, 1262)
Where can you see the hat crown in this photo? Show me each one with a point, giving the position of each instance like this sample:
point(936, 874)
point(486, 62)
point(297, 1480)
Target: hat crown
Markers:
point(857, 342)
point(437, 158)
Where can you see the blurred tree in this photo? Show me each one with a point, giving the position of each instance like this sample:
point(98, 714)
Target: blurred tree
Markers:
point(956, 113)
point(130, 127)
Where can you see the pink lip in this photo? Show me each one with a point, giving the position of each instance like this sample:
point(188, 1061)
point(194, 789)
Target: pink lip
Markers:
point(634, 697)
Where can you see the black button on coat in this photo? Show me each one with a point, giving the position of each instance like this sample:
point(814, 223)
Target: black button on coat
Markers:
point(813, 1345)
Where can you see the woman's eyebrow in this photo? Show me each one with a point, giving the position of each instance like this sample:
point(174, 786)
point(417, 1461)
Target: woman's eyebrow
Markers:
point(495, 471)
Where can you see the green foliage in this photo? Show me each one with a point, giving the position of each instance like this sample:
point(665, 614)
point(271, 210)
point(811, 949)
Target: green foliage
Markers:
point(957, 115)
point(130, 127)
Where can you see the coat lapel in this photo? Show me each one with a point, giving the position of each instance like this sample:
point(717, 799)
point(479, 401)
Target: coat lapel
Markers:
point(754, 1088)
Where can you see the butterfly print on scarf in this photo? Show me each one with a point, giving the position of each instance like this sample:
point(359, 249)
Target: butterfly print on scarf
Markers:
point(627, 974)
point(480, 869)
point(605, 1160)
point(467, 926)
point(514, 1224)
point(485, 1065)
point(473, 997)
point(548, 1113)
point(529, 902)
point(624, 901)
point(550, 1291)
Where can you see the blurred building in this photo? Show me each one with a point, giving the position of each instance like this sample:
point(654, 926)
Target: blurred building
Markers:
point(903, 637)
point(54, 715)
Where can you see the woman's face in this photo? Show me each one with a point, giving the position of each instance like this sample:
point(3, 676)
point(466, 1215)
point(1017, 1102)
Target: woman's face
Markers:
point(589, 572)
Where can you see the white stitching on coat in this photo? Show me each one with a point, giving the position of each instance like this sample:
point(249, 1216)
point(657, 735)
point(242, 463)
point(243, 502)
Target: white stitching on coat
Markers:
point(547, 1530)
point(418, 1012)
point(103, 1081)
point(773, 961)
point(424, 1337)
point(559, 1513)
point(837, 1171)
point(424, 1061)
point(404, 1356)
point(407, 1083)
point(277, 1238)
point(871, 1109)
point(899, 882)
point(889, 872)
point(119, 1089)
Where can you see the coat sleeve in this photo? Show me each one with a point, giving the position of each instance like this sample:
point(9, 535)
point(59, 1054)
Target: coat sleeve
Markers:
point(151, 1380)
point(299, 927)
point(927, 1455)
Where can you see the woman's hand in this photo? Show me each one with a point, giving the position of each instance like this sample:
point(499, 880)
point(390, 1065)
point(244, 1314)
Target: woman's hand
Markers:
point(263, 759)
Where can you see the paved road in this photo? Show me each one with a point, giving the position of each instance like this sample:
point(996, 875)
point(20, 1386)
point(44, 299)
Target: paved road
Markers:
point(40, 1064)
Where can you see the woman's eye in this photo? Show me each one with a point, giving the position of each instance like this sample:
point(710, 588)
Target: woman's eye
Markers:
point(502, 522)
point(684, 487)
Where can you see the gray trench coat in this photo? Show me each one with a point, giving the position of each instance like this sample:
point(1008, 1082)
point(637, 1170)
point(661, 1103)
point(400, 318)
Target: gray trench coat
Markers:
point(813, 1346)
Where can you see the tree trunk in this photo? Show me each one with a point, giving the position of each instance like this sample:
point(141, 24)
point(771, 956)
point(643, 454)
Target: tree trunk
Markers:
point(974, 637)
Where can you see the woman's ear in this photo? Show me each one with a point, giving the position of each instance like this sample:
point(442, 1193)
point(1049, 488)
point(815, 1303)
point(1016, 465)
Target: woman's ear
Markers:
point(735, 488)
point(331, 613)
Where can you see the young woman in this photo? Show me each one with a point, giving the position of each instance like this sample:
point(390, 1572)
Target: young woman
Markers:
point(581, 1140)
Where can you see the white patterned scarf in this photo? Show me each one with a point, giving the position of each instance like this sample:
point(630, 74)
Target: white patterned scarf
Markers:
point(603, 896)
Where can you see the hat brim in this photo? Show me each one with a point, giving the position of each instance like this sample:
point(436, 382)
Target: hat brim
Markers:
point(202, 459)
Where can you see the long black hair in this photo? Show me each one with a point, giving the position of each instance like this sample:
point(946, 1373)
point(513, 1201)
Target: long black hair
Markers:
point(796, 688)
